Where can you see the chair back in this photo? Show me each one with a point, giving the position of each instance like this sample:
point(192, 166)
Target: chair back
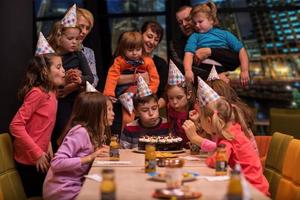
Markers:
point(10, 181)
point(289, 184)
point(274, 160)
point(263, 143)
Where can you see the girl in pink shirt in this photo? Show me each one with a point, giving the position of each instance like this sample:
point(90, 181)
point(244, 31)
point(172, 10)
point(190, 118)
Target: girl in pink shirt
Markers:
point(224, 120)
point(33, 123)
point(82, 142)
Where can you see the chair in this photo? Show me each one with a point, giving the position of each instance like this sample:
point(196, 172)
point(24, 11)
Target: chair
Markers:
point(274, 160)
point(289, 184)
point(263, 143)
point(10, 181)
point(285, 121)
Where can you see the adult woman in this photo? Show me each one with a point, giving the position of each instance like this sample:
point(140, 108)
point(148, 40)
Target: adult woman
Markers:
point(85, 21)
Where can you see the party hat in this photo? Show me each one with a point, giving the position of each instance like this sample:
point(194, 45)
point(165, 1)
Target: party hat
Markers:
point(142, 87)
point(213, 75)
point(70, 18)
point(90, 87)
point(175, 77)
point(205, 93)
point(126, 101)
point(43, 46)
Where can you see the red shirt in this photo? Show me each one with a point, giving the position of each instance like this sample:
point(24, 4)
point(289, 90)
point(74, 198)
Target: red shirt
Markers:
point(32, 125)
point(240, 150)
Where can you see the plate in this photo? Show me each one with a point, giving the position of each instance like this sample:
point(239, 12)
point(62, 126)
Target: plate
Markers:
point(136, 150)
point(167, 194)
point(187, 176)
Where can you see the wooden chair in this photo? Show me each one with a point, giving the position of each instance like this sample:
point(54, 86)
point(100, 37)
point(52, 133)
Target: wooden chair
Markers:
point(285, 121)
point(289, 184)
point(274, 160)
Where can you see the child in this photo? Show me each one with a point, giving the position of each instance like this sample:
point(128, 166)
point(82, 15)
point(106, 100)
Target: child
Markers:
point(65, 37)
point(33, 123)
point(223, 89)
point(130, 60)
point(180, 98)
point(226, 122)
point(148, 123)
point(205, 18)
point(82, 143)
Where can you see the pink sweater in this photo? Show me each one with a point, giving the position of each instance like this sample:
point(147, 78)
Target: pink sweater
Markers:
point(32, 125)
point(240, 150)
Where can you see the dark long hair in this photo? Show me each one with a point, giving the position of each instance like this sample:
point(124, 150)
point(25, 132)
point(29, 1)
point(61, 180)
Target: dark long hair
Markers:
point(37, 75)
point(89, 111)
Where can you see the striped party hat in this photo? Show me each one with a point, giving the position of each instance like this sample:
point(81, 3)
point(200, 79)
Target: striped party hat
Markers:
point(43, 46)
point(142, 87)
point(213, 75)
point(126, 101)
point(175, 77)
point(205, 93)
point(70, 18)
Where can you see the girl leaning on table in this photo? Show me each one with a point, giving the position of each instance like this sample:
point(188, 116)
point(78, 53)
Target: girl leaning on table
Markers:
point(225, 121)
point(33, 123)
point(224, 89)
point(82, 142)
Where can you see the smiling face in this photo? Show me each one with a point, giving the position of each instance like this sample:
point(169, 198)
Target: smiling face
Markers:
point(177, 98)
point(56, 72)
point(184, 21)
point(151, 40)
point(148, 113)
point(69, 40)
point(202, 23)
point(85, 27)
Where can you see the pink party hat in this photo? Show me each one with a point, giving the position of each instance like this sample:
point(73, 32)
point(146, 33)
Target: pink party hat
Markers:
point(175, 77)
point(126, 101)
point(213, 75)
point(142, 87)
point(205, 93)
point(70, 18)
point(90, 87)
point(43, 46)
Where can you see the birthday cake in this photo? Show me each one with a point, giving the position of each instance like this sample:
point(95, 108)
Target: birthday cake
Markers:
point(162, 143)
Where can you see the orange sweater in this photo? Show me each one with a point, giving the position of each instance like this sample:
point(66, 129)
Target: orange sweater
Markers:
point(120, 65)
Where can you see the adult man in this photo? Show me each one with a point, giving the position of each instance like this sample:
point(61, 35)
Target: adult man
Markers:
point(216, 56)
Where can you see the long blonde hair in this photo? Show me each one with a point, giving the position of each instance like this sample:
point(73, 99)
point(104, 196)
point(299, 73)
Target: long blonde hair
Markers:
point(209, 9)
point(222, 112)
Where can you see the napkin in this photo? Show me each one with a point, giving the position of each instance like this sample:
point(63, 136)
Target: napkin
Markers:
point(215, 178)
point(101, 163)
point(95, 177)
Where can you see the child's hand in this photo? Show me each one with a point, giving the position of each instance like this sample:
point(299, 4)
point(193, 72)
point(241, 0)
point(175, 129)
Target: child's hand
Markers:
point(145, 76)
point(113, 99)
point(200, 55)
point(190, 130)
point(102, 151)
point(189, 76)
point(244, 78)
point(42, 164)
point(194, 116)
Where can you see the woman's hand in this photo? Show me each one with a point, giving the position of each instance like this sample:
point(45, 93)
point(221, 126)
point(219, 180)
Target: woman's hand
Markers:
point(42, 164)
